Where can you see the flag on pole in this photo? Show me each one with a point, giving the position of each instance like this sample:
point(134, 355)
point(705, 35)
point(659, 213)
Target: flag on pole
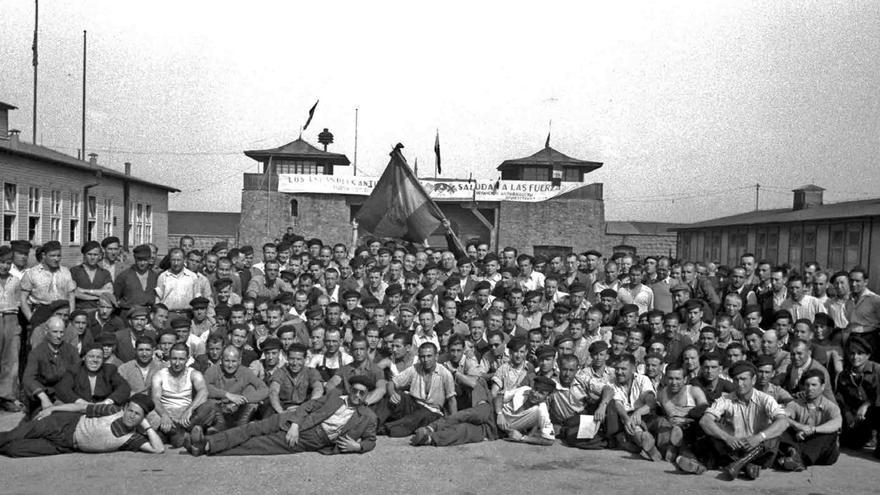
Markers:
point(399, 206)
point(437, 153)
point(311, 114)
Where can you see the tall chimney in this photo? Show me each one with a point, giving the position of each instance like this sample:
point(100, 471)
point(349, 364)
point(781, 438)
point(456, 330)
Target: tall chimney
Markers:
point(93, 159)
point(808, 196)
point(127, 168)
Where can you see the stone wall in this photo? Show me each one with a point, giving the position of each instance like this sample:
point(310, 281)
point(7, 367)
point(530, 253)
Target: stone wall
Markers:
point(574, 223)
point(317, 215)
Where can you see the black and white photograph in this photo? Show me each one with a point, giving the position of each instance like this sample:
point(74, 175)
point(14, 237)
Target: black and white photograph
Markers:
point(456, 248)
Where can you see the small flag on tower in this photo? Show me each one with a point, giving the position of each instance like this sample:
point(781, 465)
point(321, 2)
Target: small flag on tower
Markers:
point(311, 114)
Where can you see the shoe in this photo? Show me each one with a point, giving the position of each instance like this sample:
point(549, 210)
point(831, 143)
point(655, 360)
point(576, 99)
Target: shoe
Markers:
point(733, 469)
point(690, 465)
point(195, 443)
point(752, 471)
point(12, 406)
point(420, 437)
point(789, 463)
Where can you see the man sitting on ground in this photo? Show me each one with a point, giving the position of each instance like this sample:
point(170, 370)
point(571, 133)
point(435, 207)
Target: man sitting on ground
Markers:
point(814, 425)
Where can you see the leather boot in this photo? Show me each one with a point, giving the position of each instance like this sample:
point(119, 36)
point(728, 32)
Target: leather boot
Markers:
point(736, 466)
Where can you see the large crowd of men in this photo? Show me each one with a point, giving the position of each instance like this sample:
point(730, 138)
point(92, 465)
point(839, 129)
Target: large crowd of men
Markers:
point(323, 347)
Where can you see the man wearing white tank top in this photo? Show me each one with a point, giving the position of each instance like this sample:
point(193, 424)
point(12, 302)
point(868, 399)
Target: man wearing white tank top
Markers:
point(180, 396)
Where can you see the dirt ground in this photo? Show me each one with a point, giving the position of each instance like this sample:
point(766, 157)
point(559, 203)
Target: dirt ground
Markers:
point(395, 467)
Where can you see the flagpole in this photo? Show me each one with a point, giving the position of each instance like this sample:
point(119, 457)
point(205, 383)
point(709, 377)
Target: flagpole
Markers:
point(36, 23)
point(436, 209)
point(84, 98)
point(355, 141)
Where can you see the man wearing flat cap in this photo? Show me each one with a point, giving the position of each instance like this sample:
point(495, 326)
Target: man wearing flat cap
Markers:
point(10, 331)
point(82, 427)
point(46, 282)
point(332, 424)
point(90, 278)
point(126, 339)
point(744, 425)
point(201, 324)
point(136, 285)
point(21, 251)
point(111, 261)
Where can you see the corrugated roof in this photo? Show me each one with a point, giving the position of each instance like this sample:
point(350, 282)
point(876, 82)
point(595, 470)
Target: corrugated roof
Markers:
point(832, 211)
point(638, 228)
point(549, 156)
point(203, 223)
point(45, 154)
point(300, 149)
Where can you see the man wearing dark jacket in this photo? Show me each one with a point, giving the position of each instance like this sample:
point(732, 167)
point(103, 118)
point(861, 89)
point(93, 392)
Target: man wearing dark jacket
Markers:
point(332, 424)
point(93, 381)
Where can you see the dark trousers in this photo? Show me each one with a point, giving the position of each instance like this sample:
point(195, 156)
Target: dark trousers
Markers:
point(10, 345)
point(722, 455)
point(265, 437)
point(405, 417)
point(48, 436)
point(244, 414)
point(202, 416)
point(857, 433)
point(470, 425)
point(820, 449)
point(569, 430)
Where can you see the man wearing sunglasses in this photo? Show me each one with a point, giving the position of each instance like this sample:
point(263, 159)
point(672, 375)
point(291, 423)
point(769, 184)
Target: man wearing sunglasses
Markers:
point(332, 424)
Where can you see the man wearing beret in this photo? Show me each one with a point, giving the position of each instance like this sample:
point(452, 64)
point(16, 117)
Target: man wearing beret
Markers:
point(332, 424)
point(90, 278)
point(10, 331)
point(83, 427)
point(744, 425)
point(136, 285)
point(858, 393)
point(93, 381)
point(46, 282)
point(111, 261)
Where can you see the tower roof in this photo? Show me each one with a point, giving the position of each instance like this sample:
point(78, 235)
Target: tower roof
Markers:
point(549, 156)
point(299, 149)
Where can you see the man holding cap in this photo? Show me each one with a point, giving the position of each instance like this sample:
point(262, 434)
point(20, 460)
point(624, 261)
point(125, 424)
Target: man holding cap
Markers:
point(136, 286)
point(744, 426)
point(10, 331)
point(332, 424)
point(91, 428)
point(91, 280)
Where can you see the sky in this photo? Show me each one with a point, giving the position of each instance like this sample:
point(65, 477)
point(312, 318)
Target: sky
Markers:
point(687, 104)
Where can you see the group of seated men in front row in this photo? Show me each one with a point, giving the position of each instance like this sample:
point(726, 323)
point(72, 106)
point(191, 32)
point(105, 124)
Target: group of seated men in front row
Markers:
point(275, 376)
